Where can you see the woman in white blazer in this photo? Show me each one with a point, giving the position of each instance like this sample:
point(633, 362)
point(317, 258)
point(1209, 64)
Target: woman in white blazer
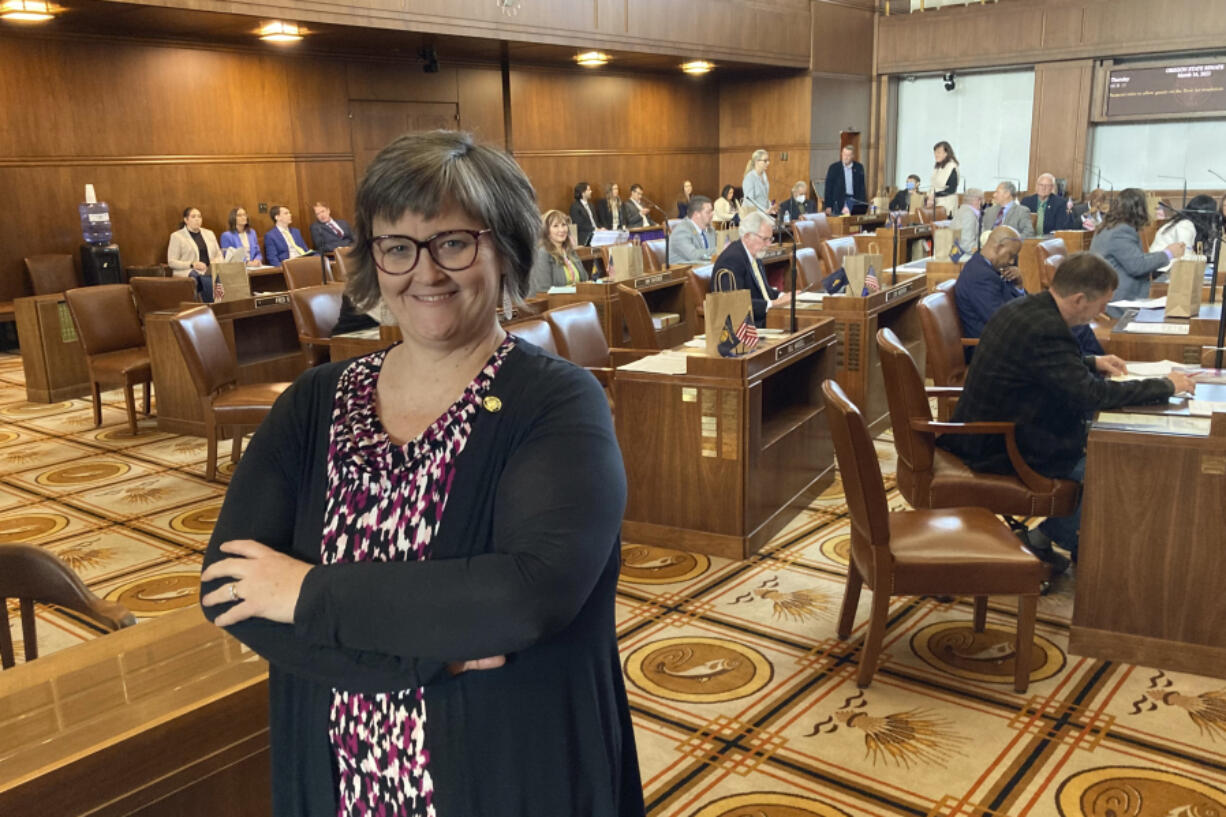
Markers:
point(1192, 227)
point(191, 250)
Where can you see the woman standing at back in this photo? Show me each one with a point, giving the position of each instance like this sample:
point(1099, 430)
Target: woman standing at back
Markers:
point(944, 178)
point(756, 189)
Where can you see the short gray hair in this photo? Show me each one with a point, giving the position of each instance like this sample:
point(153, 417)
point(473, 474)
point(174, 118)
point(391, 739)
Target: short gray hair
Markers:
point(424, 172)
point(752, 223)
point(1010, 186)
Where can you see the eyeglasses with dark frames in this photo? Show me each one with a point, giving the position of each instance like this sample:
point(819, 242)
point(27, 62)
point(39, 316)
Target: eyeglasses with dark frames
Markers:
point(452, 250)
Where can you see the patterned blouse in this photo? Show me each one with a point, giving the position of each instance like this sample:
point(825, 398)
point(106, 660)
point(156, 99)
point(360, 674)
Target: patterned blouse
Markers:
point(384, 503)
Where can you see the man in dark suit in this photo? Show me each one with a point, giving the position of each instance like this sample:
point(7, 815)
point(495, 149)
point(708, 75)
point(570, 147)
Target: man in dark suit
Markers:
point(798, 204)
point(637, 213)
point(741, 259)
point(328, 233)
point(581, 213)
point(1053, 211)
point(1028, 370)
point(988, 281)
point(844, 184)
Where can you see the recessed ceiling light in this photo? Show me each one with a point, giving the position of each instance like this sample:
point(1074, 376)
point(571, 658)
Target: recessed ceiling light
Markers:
point(697, 66)
point(592, 59)
point(278, 31)
point(26, 11)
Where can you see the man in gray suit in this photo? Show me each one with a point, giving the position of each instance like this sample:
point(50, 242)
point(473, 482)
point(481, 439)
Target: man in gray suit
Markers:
point(693, 241)
point(1008, 211)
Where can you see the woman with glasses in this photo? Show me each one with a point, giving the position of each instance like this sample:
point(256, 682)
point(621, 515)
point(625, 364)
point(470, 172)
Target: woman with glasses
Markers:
point(756, 189)
point(423, 542)
point(555, 263)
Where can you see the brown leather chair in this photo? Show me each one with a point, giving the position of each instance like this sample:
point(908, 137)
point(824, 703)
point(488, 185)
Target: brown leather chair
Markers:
point(52, 274)
point(943, 340)
point(698, 284)
point(341, 263)
point(537, 332)
point(113, 342)
point(304, 271)
point(925, 215)
point(315, 312)
point(579, 335)
point(654, 259)
point(215, 374)
point(931, 477)
point(835, 250)
point(1047, 270)
point(812, 230)
point(33, 575)
point(952, 551)
point(808, 268)
point(638, 318)
point(158, 294)
point(1053, 250)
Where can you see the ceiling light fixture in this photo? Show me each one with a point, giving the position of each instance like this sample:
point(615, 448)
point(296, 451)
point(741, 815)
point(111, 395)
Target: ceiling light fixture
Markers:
point(26, 11)
point(278, 31)
point(697, 67)
point(592, 59)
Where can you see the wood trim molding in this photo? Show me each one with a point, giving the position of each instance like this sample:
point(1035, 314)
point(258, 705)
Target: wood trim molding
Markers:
point(171, 159)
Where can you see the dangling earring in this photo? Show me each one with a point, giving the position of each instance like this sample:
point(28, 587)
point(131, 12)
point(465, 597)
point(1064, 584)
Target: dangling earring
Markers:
point(507, 311)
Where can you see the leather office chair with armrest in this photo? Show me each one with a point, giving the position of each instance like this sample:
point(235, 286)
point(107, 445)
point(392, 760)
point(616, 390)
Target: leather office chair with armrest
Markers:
point(812, 230)
point(942, 328)
point(808, 269)
point(52, 274)
point(952, 551)
point(341, 262)
point(214, 373)
point(537, 332)
point(654, 259)
point(638, 318)
point(581, 340)
point(834, 251)
point(158, 294)
point(931, 477)
point(114, 344)
point(1052, 249)
point(316, 310)
point(925, 215)
point(33, 575)
point(304, 271)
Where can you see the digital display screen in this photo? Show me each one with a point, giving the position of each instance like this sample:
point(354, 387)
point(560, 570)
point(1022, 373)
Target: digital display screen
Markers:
point(1173, 90)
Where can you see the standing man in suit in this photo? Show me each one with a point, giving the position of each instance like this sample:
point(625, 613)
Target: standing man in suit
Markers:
point(1007, 211)
point(1028, 370)
point(1055, 212)
point(282, 241)
point(693, 241)
point(581, 213)
point(328, 233)
point(741, 259)
point(844, 183)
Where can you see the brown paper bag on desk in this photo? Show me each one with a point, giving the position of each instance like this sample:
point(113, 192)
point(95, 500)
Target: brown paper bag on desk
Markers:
point(942, 243)
point(882, 203)
point(725, 310)
point(725, 237)
point(916, 202)
point(625, 261)
point(1183, 293)
point(863, 271)
point(230, 281)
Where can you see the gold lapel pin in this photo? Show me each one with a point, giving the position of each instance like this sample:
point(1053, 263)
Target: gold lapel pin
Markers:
point(492, 404)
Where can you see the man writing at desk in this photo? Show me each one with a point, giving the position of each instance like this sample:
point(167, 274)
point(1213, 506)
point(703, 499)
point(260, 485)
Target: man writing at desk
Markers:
point(1029, 370)
point(741, 259)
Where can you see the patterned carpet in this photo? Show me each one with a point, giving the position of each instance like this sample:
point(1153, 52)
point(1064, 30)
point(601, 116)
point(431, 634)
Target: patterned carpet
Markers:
point(744, 700)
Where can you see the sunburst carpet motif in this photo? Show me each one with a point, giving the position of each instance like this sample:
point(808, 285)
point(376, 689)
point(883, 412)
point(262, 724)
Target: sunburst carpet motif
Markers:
point(744, 699)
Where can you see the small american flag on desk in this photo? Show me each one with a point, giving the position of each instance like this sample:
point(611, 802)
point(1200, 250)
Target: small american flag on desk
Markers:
point(870, 281)
point(747, 333)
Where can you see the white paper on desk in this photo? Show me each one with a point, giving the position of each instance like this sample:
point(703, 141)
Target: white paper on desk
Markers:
point(809, 297)
point(1205, 408)
point(1152, 303)
point(564, 290)
point(1158, 328)
point(1152, 368)
point(699, 342)
point(1154, 421)
point(666, 362)
point(607, 238)
point(1198, 426)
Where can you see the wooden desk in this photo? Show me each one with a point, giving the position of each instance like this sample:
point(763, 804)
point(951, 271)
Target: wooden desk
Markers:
point(1154, 346)
point(857, 321)
point(1149, 575)
point(1028, 264)
point(51, 352)
point(850, 225)
point(883, 238)
point(267, 279)
point(167, 717)
point(264, 342)
point(1075, 240)
point(721, 458)
point(664, 291)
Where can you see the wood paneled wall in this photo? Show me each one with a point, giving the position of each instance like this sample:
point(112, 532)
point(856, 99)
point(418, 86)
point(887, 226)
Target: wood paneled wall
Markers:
point(772, 115)
point(1060, 122)
point(842, 33)
point(656, 131)
point(1032, 31)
